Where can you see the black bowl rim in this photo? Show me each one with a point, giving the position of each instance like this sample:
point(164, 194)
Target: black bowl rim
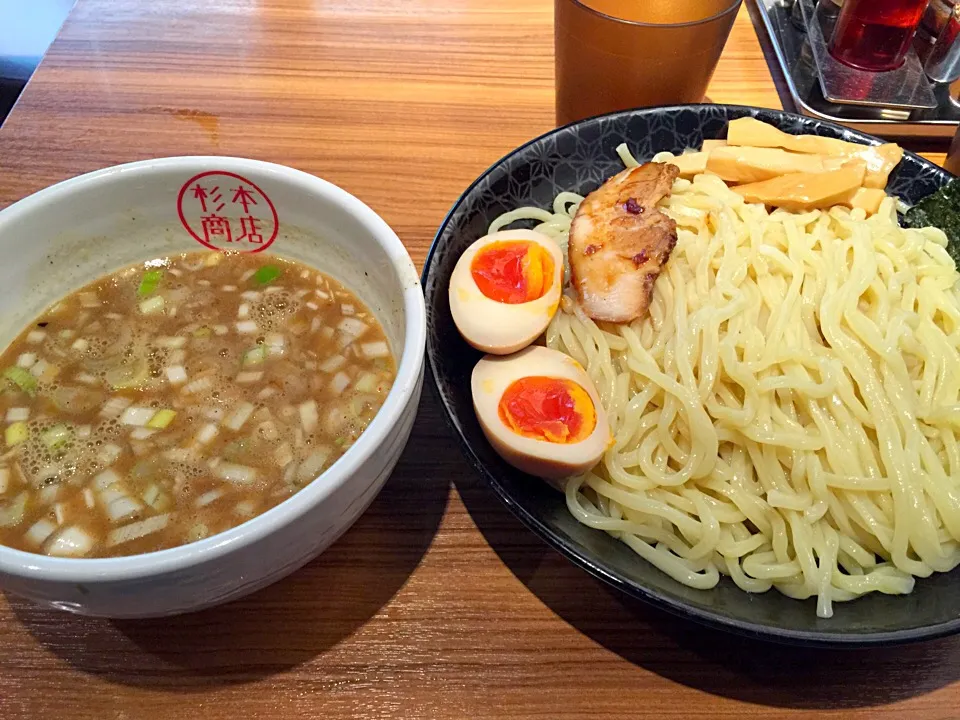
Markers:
point(839, 640)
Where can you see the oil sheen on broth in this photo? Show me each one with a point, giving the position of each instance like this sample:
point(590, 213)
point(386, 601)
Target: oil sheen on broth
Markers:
point(176, 399)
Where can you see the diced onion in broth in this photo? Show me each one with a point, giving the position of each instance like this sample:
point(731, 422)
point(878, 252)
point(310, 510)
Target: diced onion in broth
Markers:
point(210, 497)
point(309, 415)
point(350, 329)
point(238, 474)
point(137, 530)
point(375, 349)
point(138, 416)
point(340, 382)
point(18, 414)
point(40, 531)
point(174, 399)
point(239, 417)
point(71, 542)
point(314, 464)
point(334, 362)
point(176, 374)
point(207, 433)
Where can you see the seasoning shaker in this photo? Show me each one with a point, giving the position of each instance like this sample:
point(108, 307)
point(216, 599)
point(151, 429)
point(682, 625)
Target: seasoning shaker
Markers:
point(943, 62)
point(953, 157)
point(936, 16)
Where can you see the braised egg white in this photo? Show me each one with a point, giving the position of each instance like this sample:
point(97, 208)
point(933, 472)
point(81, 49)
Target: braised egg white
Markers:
point(541, 412)
point(505, 289)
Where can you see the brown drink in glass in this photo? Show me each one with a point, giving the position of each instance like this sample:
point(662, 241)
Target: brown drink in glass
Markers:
point(618, 54)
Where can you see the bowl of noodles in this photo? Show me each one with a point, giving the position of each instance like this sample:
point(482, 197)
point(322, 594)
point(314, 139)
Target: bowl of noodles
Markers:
point(784, 417)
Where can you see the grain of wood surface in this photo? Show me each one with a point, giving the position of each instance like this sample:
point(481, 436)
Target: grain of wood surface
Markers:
point(438, 603)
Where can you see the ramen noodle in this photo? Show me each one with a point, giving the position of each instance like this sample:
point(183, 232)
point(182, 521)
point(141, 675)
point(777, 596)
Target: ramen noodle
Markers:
point(787, 414)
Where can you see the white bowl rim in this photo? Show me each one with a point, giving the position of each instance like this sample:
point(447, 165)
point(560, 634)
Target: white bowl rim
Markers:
point(34, 566)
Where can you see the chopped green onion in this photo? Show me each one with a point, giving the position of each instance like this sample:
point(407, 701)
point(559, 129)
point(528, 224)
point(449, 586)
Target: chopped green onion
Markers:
point(202, 332)
point(266, 275)
point(340, 441)
point(56, 437)
point(162, 419)
point(16, 433)
point(256, 356)
point(21, 378)
point(149, 282)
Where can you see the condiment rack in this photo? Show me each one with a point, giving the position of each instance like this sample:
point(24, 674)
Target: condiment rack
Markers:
point(897, 104)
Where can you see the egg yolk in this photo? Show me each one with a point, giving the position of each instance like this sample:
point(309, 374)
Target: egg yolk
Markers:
point(556, 410)
point(513, 272)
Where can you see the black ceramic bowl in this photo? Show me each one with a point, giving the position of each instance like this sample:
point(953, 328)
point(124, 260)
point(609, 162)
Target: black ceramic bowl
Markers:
point(580, 157)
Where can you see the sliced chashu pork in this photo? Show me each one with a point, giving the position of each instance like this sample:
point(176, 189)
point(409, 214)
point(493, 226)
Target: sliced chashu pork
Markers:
point(620, 241)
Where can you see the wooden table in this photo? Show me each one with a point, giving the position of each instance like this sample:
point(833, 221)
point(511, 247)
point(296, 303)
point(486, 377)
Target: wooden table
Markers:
point(438, 603)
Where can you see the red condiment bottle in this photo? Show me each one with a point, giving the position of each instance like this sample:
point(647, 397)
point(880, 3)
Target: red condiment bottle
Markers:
point(876, 35)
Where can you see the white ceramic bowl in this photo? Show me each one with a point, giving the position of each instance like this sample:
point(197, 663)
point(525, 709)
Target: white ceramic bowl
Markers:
point(67, 235)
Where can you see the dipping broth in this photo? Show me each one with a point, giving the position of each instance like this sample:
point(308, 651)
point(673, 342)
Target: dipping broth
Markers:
point(176, 399)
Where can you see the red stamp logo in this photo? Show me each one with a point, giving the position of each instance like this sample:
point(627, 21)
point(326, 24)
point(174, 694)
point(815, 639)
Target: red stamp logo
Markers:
point(225, 211)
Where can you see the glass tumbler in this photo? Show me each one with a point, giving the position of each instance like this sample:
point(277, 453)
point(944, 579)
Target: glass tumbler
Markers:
point(618, 54)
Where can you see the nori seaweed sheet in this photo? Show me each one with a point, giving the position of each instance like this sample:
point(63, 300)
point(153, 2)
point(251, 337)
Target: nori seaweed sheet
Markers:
point(942, 210)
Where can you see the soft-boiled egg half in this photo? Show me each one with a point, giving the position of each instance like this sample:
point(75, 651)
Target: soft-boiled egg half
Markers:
point(505, 290)
point(540, 411)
